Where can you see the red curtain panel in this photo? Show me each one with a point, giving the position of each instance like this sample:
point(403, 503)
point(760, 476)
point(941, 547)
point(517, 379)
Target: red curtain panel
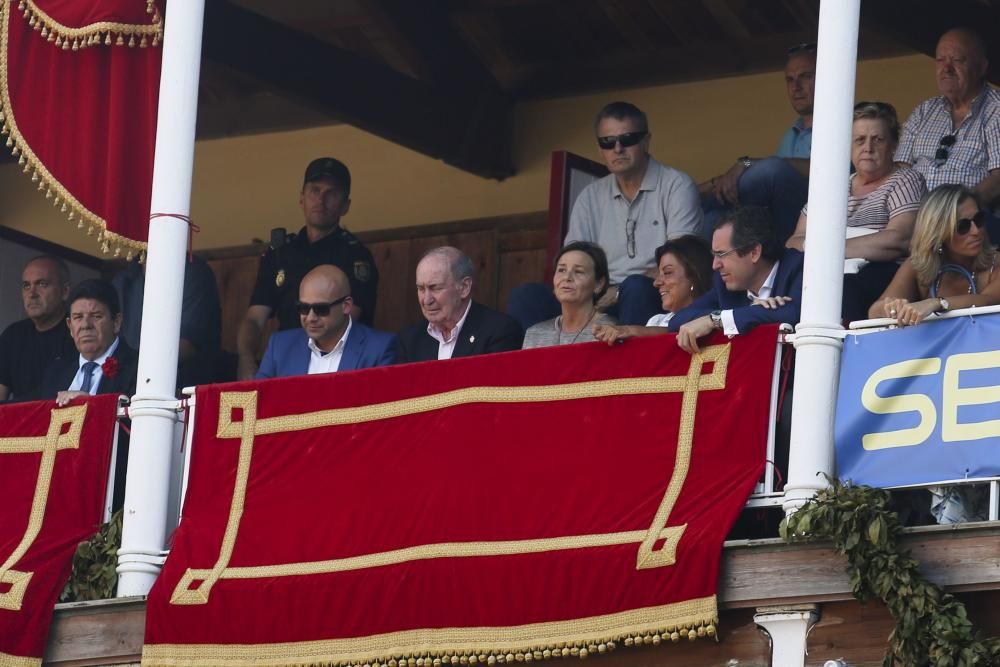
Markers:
point(54, 466)
point(79, 82)
point(567, 499)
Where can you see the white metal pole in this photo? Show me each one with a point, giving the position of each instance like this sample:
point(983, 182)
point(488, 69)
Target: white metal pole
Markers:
point(818, 343)
point(153, 417)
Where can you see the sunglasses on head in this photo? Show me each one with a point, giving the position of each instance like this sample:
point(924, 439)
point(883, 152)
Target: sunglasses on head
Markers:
point(941, 156)
point(626, 140)
point(321, 309)
point(963, 225)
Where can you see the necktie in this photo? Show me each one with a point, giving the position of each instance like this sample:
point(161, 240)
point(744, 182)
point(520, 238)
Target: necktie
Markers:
point(88, 376)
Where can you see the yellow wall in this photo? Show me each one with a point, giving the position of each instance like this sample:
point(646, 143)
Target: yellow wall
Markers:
point(245, 186)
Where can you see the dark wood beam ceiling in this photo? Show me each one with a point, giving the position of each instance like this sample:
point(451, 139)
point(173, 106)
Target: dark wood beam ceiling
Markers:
point(467, 129)
point(924, 21)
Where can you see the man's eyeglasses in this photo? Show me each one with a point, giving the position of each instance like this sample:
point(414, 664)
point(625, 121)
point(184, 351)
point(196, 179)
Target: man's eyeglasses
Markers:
point(626, 140)
point(321, 309)
point(722, 254)
point(964, 225)
point(630, 237)
point(941, 156)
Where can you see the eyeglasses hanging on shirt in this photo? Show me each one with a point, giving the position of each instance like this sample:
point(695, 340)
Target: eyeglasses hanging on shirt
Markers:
point(941, 156)
point(630, 237)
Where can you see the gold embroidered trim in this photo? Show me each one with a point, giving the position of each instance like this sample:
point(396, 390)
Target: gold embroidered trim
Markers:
point(54, 190)
point(7, 660)
point(460, 646)
point(250, 427)
point(105, 33)
point(48, 445)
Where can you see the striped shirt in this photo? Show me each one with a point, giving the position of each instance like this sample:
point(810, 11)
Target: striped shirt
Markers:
point(976, 151)
point(901, 193)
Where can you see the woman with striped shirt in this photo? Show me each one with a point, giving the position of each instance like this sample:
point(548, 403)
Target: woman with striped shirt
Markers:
point(882, 204)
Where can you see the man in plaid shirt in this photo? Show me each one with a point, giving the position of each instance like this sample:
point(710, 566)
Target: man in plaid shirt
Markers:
point(955, 137)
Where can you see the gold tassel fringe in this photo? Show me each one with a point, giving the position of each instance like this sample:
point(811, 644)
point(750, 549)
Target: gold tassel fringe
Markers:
point(95, 34)
point(109, 241)
point(158, 656)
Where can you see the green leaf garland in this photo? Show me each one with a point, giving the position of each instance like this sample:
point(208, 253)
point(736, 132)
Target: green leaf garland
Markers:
point(932, 628)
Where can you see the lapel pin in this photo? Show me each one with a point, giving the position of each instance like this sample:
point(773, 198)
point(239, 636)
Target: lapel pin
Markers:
point(472, 339)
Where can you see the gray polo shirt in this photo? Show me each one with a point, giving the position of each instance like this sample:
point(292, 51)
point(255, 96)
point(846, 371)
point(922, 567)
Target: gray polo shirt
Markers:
point(666, 206)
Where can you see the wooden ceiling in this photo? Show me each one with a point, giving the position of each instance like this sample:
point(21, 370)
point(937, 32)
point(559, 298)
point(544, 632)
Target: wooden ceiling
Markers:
point(441, 76)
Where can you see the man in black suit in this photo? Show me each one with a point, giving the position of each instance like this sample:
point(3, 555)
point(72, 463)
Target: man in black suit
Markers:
point(104, 363)
point(454, 325)
point(757, 281)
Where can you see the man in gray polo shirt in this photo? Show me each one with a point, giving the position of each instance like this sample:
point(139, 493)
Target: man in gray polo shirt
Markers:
point(955, 137)
point(629, 213)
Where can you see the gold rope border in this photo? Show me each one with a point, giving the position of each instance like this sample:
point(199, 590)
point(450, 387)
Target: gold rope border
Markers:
point(54, 190)
point(48, 445)
point(460, 646)
point(8, 660)
point(94, 34)
point(250, 427)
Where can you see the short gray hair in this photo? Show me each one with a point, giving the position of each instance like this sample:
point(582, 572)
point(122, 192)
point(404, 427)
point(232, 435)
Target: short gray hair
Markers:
point(459, 263)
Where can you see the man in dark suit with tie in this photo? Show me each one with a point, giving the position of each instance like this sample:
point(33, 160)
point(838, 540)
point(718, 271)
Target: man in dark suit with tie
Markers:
point(329, 339)
point(454, 325)
point(104, 364)
point(756, 280)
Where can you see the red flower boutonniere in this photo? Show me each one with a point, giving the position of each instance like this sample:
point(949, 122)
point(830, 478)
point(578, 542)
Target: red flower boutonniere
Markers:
point(110, 368)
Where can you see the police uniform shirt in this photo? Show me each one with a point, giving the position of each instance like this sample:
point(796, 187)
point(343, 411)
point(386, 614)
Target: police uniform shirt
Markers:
point(282, 270)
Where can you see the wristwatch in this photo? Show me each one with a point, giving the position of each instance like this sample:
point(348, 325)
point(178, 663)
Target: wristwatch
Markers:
point(943, 302)
point(716, 317)
point(745, 161)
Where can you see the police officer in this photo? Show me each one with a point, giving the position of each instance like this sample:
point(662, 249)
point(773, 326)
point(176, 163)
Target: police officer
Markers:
point(325, 198)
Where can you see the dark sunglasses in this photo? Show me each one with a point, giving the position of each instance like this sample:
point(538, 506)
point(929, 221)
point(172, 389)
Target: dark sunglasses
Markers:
point(963, 225)
point(321, 309)
point(941, 156)
point(626, 140)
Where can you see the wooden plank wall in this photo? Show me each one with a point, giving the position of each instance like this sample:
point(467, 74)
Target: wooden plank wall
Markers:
point(506, 250)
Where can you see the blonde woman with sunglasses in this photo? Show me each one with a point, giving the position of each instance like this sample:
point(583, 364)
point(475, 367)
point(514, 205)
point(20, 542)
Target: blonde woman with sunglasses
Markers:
point(951, 263)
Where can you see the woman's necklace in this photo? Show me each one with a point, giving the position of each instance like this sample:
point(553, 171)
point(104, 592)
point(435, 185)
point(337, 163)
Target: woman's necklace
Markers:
point(581, 330)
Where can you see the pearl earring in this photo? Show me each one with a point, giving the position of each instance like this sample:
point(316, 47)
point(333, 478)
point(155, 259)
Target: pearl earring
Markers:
point(691, 288)
point(940, 249)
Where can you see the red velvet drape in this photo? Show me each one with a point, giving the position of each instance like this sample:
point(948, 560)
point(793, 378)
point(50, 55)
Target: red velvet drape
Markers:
point(53, 475)
point(483, 506)
point(79, 106)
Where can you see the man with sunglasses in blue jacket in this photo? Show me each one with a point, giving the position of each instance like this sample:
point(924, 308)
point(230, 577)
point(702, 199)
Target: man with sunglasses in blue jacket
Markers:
point(329, 340)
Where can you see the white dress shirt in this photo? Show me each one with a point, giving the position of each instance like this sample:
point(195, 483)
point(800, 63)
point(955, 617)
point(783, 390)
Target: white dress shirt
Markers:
point(328, 362)
point(446, 346)
point(98, 372)
point(728, 323)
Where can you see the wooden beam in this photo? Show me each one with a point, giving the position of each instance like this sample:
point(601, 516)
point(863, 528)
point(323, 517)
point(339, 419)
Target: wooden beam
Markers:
point(466, 129)
point(924, 21)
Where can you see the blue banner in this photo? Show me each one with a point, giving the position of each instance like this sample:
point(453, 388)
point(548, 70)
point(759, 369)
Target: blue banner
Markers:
point(920, 405)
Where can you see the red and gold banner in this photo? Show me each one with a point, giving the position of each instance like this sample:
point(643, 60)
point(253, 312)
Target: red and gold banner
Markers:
point(79, 107)
point(54, 466)
point(507, 506)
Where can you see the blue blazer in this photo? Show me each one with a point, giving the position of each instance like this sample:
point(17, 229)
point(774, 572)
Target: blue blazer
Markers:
point(288, 351)
point(788, 282)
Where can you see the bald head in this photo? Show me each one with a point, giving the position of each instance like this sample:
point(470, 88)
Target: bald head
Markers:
point(326, 277)
point(960, 65)
point(44, 288)
point(325, 289)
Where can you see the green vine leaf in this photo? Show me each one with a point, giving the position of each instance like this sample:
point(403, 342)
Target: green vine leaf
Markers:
point(95, 575)
point(932, 627)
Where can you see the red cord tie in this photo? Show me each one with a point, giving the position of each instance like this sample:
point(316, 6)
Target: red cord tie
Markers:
point(192, 228)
